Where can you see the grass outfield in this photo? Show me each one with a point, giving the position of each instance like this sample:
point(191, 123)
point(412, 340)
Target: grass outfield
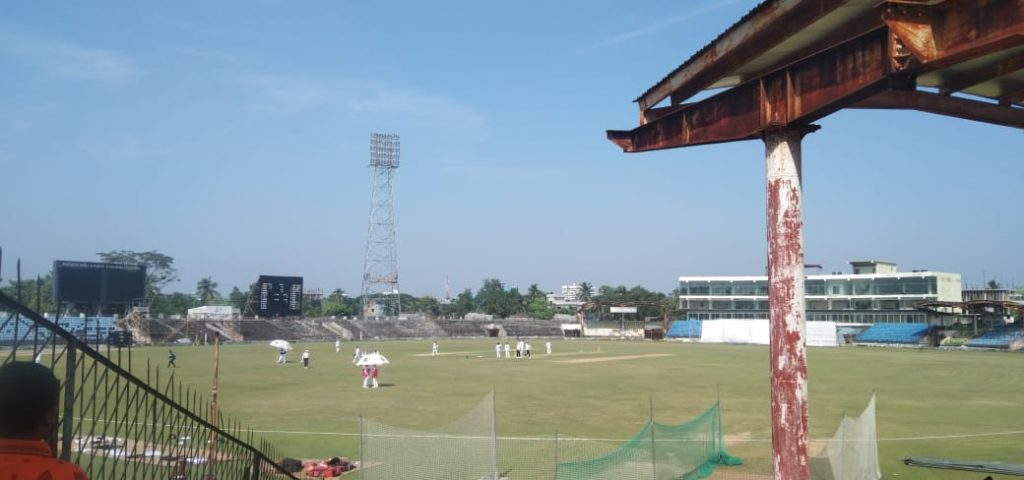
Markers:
point(952, 404)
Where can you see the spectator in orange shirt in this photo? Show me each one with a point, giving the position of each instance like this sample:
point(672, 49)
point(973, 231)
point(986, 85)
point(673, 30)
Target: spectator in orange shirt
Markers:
point(28, 415)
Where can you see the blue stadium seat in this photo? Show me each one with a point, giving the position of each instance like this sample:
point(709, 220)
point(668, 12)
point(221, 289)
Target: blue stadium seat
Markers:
point(895, 333)
point(1000, 337)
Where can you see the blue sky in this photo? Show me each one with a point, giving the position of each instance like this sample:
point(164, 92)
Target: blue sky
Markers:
point(233, 136)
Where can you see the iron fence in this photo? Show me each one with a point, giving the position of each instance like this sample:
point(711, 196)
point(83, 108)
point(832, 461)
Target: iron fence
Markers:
point(119, 424)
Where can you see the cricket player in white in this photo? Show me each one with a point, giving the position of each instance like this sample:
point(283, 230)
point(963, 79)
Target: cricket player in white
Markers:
point(508, 350)
point(337, 346)
point(433, 349)
point(497, 350)
point(547, 346)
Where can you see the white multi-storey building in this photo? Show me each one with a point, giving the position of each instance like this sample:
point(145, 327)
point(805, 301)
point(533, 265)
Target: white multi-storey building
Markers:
point(874, 293)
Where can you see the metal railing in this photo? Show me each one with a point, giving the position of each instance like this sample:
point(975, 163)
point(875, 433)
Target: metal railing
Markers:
point(116, 425)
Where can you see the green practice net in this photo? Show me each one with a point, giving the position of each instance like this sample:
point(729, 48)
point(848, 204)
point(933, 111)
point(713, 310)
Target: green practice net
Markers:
point(687, 451)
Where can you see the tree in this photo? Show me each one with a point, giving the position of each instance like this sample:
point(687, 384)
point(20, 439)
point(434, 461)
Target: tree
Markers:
point(494, 300)
point(994, 285)
point(312, 305)
point(176, 303)
point(463, 304)
point(29, 288)
point(335, 305)
point(237, 299)
point(515, 302)
point(206, 291)
point(540, 308)
point(586, 291)
point(160, 269)
point(429, 305)
point(636, 294)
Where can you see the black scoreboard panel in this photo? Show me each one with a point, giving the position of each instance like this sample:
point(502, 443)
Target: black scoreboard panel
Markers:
point(98, 283)
point(120, 339)
point(279, 296)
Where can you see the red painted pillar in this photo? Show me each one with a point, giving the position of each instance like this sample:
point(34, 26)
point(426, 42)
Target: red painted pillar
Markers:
point(786, 302)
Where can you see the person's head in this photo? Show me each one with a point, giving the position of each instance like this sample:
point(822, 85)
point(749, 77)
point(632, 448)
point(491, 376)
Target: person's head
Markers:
point(28, 401)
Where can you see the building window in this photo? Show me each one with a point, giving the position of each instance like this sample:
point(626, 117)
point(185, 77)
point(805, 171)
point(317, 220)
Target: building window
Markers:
point(840, 304)
point(721, 305)
point(862, 287)
point(745, 305)
point(888, 286)
point(814, 287)
point(747, 289)
point(721, 288)
point(817, 305)
point(699, 289)
point(889, 304)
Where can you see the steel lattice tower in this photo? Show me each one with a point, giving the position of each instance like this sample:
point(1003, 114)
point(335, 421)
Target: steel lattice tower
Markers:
point(380, 295)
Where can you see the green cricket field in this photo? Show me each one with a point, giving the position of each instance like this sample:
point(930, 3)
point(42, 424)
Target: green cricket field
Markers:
point(937, 403)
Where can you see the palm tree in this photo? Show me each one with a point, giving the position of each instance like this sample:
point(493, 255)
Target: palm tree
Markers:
point(586, 291)
point(206, 291)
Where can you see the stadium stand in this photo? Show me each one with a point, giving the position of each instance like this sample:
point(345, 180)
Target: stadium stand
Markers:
point(684, 329)
point(530, 327)
point(270, 329)
point(894, 333)
point(467, 328)
point(1000, 337)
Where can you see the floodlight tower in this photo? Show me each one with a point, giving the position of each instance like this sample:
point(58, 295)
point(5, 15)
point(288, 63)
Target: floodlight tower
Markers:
point(380, 295)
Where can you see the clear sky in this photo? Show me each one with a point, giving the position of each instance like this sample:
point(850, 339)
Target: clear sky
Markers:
point(233, 136)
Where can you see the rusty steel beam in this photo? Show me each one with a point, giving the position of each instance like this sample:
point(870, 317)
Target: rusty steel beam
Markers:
point(956, 30)
point(866, 22)
point(946, 105)
point(742, 42)
point(1012, 97)
point(798, 94)
point(983, 74)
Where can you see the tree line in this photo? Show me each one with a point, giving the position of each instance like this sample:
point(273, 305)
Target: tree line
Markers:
point(492, 298)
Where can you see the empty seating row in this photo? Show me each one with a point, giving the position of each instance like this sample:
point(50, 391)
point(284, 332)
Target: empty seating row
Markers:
point(999, 338)
point(896, 333)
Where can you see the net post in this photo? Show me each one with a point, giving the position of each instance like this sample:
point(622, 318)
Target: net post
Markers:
point(654, 453)
point(494, 433)
point(362, 461)
point(842, 448)
point(720, 443)
point(554, 475)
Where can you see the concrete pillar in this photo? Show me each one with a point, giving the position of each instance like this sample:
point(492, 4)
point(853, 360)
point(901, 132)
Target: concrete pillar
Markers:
point(786, 302)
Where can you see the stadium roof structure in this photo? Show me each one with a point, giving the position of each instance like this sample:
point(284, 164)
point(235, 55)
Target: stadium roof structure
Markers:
point(789, 63)
point(792, 62)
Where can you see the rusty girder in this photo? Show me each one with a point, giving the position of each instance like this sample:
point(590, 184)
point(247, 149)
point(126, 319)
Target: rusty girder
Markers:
point(798, 94)
point(959, 44)
point(956, 31)
point(945, 105)
point(935, 306)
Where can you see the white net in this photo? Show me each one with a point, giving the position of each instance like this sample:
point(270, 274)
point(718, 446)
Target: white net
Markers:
point(463, 449)
point(852, 452)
